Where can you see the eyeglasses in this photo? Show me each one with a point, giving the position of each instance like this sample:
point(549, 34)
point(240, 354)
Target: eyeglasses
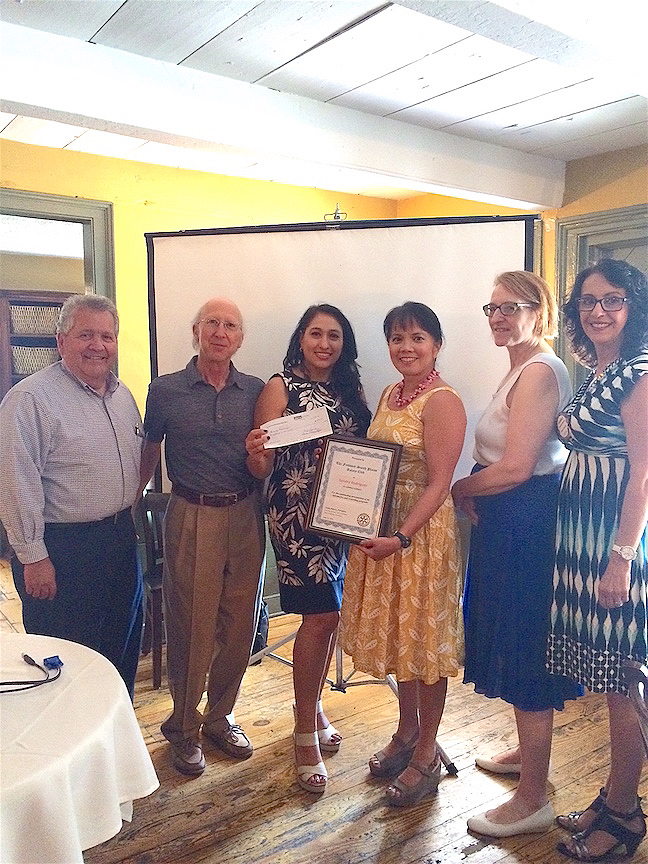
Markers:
point(505, 308)
point(610, 303)
point(214, 324)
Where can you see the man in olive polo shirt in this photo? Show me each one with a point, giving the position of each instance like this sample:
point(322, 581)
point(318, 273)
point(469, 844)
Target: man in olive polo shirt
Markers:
point(213, 536)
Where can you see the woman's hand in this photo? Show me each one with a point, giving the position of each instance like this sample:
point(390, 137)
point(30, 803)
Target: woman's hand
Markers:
point(259, 460)
point(254, 443)
point(380, 547)
point(614, 586)
point(464, 501)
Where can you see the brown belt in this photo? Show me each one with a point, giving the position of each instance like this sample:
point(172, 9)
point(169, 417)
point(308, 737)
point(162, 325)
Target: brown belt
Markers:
point(220, 499)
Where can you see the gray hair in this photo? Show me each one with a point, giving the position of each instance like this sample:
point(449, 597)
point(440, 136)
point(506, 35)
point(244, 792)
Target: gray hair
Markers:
point(79, 302)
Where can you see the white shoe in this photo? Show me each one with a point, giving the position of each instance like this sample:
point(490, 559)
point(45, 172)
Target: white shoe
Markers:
point(537, 822)
point(497, 767)
point(306, 774)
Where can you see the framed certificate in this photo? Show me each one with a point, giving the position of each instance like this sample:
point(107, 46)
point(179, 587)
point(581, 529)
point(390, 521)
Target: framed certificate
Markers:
point(353, 490)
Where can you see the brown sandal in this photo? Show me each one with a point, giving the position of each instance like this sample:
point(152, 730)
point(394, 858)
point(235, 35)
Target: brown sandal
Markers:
point(401, 795)
point(383, 764)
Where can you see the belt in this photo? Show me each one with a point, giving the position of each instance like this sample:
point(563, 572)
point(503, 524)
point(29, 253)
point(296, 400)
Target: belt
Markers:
point(114, 519)
point(219, 499)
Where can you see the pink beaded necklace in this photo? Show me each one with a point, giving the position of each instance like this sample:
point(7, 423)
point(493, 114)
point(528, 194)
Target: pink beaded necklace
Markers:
point(398, 392)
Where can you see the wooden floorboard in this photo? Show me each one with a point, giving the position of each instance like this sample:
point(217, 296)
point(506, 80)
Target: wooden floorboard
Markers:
point(253, 812)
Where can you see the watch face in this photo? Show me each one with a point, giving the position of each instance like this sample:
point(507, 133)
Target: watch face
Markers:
point(626, 552)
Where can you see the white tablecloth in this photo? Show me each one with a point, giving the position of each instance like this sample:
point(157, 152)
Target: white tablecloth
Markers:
point(72, 754)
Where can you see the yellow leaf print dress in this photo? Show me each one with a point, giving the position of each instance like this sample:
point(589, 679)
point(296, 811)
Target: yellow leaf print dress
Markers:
point(399, 615)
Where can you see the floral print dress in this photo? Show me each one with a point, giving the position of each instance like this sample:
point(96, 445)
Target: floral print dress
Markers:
point(310, 568)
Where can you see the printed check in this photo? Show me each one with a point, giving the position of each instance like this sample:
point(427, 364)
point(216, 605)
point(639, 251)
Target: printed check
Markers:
point(294, 428)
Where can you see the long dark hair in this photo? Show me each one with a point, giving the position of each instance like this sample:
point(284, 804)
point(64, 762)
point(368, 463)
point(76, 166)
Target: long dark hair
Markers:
point(635, 333)
point(413, 313)
point(345, 375)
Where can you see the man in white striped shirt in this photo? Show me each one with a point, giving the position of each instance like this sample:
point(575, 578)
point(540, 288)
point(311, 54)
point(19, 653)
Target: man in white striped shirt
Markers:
point(69, 474)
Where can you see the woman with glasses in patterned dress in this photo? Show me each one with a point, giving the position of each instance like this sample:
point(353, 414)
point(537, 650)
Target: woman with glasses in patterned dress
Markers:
point(598, 616)
point(511, 499)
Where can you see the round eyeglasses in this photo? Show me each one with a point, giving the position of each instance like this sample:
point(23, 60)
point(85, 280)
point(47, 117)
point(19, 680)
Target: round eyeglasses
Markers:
point(609, 303)
point(505, 308)
point(214, 324)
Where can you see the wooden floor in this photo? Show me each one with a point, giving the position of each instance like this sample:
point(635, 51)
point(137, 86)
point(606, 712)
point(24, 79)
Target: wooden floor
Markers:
point(254, 813)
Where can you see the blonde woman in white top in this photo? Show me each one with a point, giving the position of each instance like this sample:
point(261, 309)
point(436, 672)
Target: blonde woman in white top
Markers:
point(511, 499)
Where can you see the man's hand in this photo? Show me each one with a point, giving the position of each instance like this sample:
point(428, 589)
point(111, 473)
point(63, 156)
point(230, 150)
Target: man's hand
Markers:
point(40, 579)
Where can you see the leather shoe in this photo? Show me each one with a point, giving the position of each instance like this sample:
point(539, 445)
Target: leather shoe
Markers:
point(497, 767)
point(232, 741)
point(188, 758)
point(537, 822)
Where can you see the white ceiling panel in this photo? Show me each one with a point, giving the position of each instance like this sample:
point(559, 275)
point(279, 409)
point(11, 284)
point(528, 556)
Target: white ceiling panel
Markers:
point(550, 106)
point(104, 143)
point(170, 30)
point(519, 84)
point(444, 71)
point(273, 33)
point(79, 19)
point(45, 133)
point(389, 40)
point(603, 142)
point(5, 119)
point(618, 115)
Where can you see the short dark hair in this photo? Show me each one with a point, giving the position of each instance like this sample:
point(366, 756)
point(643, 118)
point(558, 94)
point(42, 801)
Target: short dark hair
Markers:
point(345, 376)
point(635, 333)
point(413, 313)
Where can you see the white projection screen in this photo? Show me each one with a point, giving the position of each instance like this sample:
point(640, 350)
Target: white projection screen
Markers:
point(275, 272)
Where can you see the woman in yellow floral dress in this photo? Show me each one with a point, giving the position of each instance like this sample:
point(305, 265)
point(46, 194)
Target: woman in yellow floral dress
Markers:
point(401, 594)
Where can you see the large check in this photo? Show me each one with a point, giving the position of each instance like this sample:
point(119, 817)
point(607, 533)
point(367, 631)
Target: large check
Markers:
point(353, 490)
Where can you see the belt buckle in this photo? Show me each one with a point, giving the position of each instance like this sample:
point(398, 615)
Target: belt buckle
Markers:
point(232, 498)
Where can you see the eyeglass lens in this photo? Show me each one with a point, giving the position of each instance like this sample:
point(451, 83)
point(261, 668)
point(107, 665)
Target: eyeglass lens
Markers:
point(214, 324)
point(505, 308)
point(611, 303)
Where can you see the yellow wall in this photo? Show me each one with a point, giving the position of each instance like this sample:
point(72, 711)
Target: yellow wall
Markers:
point(150, 198)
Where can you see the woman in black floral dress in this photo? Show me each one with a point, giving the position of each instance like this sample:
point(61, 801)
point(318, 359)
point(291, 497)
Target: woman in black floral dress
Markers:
point(319, 370)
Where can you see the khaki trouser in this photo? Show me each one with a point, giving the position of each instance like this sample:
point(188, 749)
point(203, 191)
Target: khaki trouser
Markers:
point(212, 564)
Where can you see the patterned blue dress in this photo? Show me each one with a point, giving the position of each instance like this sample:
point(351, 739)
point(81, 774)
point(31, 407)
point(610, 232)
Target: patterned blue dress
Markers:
point(587, 642)
point(310, 568)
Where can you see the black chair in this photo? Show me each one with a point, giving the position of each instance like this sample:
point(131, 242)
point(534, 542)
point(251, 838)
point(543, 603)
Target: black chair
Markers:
point(636, 677)
point(151, 515)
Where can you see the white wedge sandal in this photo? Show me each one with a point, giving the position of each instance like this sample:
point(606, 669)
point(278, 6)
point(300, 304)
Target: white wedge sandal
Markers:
point(307, 773)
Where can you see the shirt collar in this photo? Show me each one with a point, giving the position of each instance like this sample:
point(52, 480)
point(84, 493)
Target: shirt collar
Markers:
point(112, 382)
point(194, 377)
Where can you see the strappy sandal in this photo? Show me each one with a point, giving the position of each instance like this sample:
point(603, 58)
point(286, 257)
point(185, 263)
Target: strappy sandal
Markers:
point(570, 821)
point(606, 821)
point(383, 764)
point(400, 795)
point(306, 773)
point(329, 737)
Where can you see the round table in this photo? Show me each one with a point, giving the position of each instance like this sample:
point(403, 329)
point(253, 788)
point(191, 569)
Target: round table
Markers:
point(72, 753)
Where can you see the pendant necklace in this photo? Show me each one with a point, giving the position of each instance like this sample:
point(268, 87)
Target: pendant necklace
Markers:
point(398, 392)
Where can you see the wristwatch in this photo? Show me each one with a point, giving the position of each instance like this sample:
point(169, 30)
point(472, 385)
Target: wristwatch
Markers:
point(404, 541)
point(626, 552)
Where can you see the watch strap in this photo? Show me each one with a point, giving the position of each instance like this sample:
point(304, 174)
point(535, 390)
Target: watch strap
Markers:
point(404, 541)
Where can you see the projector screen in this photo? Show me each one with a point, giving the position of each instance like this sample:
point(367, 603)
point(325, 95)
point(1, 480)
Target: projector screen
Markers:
point(274, 273)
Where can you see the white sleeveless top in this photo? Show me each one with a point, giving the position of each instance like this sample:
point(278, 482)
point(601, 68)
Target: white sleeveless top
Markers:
point(490, 433)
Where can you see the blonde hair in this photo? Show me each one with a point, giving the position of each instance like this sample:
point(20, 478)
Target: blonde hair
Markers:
point(533, 289)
